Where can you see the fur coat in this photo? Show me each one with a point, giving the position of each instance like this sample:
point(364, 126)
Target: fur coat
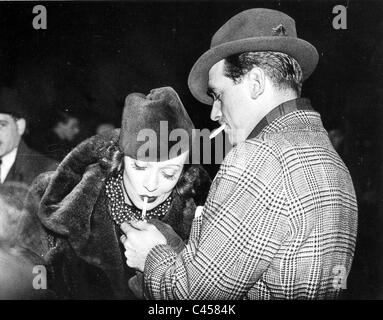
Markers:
point(78, 238)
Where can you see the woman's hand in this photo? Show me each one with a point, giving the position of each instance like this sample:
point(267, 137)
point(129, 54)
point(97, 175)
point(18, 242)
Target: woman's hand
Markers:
point(140, 237)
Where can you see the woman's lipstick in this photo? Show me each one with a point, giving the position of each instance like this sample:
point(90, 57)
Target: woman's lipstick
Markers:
point(149, 199)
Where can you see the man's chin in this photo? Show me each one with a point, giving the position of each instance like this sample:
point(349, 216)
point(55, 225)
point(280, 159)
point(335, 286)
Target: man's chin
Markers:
point(233, 140)
point(236, 137)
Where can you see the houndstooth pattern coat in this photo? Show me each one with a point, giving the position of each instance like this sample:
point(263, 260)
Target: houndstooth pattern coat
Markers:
point(280, 222)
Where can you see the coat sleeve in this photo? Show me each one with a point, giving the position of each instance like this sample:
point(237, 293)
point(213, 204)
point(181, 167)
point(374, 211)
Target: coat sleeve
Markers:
point(31, 234)
point(242, 226)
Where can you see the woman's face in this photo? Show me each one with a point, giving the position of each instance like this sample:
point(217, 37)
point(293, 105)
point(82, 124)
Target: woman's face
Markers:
point(154, 180)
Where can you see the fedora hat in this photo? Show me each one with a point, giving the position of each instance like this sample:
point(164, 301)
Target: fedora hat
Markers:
point(161, 112)
point(11, 103)
point(252, 30)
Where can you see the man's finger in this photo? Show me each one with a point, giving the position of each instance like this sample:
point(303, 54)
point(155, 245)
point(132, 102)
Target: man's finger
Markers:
point(139, 224)
point(127, 245)
point(129, 253)
point(123, 238)
point(126, 227)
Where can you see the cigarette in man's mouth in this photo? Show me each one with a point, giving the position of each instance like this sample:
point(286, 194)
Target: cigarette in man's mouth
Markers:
point(217, 131)
point(143, 213)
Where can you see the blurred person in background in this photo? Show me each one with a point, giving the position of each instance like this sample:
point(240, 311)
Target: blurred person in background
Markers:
point(336, 136)
point(61, 140)
point(104, 127)
point(18, 162)
point(19, 254)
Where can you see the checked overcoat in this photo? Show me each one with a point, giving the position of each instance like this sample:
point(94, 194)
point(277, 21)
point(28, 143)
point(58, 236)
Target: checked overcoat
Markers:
point(280, 220)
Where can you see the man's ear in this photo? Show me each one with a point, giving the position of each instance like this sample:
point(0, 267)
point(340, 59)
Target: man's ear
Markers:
point(21, 125)
point(256, 77)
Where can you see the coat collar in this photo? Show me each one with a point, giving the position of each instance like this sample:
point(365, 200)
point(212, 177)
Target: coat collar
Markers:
point(280, 111)
point(74, 187)
point(20, 167)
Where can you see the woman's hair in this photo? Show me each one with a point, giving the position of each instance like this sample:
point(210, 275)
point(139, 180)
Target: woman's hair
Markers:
point(117, 157)
point(283, 70)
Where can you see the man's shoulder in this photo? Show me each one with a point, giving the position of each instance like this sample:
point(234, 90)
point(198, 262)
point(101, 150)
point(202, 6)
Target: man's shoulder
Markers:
point(282, 147)
point(291, 138)
point(247, 147)
point(250, 153)
point(309, 145)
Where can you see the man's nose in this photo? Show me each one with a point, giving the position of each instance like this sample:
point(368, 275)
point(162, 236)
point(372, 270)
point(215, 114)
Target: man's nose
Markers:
point(216, 113)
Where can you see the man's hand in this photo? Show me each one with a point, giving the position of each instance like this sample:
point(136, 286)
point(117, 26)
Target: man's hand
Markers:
point(140, 237)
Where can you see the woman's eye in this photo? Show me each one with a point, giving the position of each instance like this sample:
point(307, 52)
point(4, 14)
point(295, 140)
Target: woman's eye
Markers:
point(170, 176)
point(137, 167)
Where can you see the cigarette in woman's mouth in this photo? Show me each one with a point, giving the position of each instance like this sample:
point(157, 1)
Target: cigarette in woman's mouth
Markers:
point(217, 131)
point(143, 213)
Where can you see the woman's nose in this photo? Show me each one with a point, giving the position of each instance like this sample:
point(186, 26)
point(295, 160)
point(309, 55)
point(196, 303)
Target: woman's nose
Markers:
point(216, 113)
point(151, 182)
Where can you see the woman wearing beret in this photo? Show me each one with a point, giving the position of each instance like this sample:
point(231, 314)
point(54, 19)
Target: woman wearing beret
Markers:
point(107, 180)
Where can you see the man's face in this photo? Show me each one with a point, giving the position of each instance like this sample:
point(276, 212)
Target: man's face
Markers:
point(11, 131)
point(71, 128)
point(231, 103)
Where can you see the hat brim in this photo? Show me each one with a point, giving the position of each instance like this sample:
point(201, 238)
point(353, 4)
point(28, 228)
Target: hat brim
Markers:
point(304, 52)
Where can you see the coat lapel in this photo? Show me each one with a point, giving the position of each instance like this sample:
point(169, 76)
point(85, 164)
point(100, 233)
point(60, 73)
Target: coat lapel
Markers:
point(19, 168)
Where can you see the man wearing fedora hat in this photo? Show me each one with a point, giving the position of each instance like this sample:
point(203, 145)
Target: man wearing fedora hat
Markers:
point(18, 163)
point(280, 220)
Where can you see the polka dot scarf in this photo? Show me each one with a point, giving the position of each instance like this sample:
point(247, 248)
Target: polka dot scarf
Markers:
point(121, 211)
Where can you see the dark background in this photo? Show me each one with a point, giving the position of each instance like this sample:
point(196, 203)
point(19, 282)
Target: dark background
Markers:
point(94, 53)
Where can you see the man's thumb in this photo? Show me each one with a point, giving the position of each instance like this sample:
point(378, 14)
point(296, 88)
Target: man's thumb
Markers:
point(139, 224)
